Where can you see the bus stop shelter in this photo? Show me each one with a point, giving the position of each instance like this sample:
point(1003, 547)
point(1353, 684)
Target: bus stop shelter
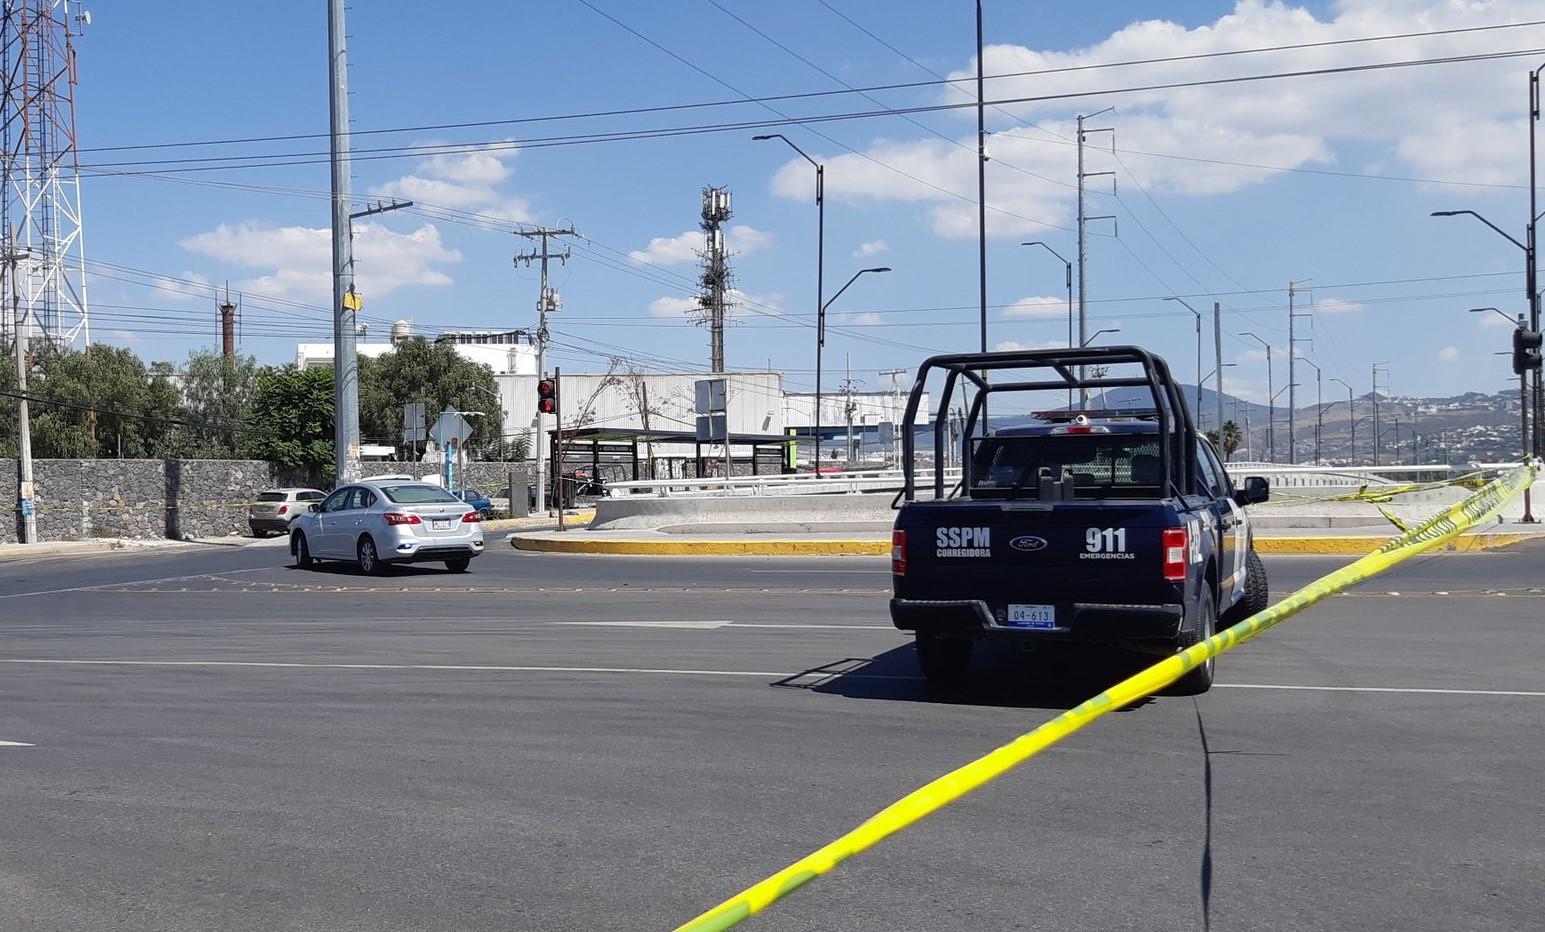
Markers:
point(614, 452)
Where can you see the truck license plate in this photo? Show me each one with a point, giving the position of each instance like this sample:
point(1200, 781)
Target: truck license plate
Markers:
point(1033, 616)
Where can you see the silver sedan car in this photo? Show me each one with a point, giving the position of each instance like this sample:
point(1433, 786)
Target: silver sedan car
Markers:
point(378, 523)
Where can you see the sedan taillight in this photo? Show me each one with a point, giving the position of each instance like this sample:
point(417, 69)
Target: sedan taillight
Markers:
point(397, 517)
point(471, 517)
point(899, 553)
point(1174, 545)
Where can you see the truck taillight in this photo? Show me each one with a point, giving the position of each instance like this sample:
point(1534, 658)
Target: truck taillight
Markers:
point(1174, 544)
point(397, 517)
point(899, 553)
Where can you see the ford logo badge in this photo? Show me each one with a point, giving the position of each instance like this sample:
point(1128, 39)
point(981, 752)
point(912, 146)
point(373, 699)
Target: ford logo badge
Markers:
point(1028, 544)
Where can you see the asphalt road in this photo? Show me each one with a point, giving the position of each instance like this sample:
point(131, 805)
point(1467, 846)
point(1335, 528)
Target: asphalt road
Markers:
point(219, 741)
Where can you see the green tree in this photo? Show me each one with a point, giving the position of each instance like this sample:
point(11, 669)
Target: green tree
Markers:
point(437, 375)
point(1232, 438)
point(102, 403)
point(217, 391)
point(291, 420)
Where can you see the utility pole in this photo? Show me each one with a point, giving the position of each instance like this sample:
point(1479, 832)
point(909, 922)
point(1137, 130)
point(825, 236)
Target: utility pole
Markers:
point(1377, 437)
point(1293, 341)
point(345, 302)
point(1537, 443)
point(546, 303)
point(896, 412)
point(1217, 351)
point(849, 406)
point(716, 272)
point(1083, 239)
point(981, 178)
point(20, 334)
point(1319, 407)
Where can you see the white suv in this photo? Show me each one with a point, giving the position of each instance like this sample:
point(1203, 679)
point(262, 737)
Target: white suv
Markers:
point(275, 510)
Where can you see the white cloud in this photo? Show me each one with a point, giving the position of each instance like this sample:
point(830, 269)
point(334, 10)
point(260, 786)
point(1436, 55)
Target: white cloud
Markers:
point(466, 180)
point(301, 258)
point(872, 248)
point(1038, 307)
point(1448, 354)
point(1011, 346)
point(186, 287)
point(1337, 306)
point(1433, 122)
point(1491, 319)
point(685, 246)
point(864, 319)
point(671, 306)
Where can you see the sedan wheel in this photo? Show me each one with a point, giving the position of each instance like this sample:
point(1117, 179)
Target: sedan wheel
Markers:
point(370, 562)
point(302, 552)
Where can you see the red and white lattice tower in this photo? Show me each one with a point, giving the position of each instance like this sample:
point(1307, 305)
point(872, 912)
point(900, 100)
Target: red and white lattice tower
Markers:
point(41, 198)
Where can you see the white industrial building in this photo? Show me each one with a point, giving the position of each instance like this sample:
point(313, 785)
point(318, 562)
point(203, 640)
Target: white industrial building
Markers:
point(756, 402)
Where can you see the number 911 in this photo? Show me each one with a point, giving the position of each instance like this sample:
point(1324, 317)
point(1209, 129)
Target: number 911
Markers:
point(1106, 540)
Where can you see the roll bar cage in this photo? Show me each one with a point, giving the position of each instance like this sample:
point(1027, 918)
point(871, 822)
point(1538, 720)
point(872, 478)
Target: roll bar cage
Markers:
point(1169, 404)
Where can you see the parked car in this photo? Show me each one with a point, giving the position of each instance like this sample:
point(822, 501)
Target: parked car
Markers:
point(377, 524)
point(275, 510)
point(476, 499)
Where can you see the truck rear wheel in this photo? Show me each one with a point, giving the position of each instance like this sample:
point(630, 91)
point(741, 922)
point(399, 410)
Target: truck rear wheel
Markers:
point(944, 661)
point(1198, 679)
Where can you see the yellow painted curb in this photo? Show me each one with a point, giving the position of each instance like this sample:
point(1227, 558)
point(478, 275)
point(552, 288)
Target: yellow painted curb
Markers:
point(706, 548)
point(1359, 545)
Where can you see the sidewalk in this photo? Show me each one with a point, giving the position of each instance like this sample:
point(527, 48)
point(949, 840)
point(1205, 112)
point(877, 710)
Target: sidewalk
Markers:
point(874, 540)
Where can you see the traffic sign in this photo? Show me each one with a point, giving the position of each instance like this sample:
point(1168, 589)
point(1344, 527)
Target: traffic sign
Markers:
point(451, 429)
point(414, 429)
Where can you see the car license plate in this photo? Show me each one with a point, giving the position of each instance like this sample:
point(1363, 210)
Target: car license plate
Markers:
point(1033, 616)
point(441, 524)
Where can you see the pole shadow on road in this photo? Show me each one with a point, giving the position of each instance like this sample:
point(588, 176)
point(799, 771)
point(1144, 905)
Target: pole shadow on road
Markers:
point(1001, 675)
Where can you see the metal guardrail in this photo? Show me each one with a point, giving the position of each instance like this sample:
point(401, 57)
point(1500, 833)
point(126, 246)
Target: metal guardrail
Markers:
point(889, 480)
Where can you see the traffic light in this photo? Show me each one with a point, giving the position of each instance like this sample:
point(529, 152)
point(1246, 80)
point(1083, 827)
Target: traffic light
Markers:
point(547, 397)
point(1526, 350)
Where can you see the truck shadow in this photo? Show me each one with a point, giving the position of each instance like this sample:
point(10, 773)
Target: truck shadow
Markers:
point(1001, 676)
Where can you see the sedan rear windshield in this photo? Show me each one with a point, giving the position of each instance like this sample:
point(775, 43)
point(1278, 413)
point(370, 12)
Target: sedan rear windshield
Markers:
point(1103, 465)
point(417, 494)
point(271, 496)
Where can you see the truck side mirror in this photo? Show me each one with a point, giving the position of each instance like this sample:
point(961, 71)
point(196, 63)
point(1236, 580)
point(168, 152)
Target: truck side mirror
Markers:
point(1255, 491)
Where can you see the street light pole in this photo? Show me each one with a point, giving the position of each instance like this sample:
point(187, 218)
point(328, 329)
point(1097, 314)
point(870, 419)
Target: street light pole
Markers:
point(1198, 356)
point(1271, 408)
point(1068, 278)
point(1352, 442)
point(1319, 406)
point(821, 327)
point(820, 277)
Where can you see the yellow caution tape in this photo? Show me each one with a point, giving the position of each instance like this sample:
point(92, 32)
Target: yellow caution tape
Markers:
point(1392, 519)
point(946, 789)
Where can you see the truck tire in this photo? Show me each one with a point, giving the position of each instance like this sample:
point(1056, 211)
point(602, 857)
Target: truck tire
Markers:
point(944, 661)
point(1257, 592)
point(1198, 679)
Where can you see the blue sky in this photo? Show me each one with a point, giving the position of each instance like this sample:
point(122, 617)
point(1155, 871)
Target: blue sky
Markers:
point(900, 192)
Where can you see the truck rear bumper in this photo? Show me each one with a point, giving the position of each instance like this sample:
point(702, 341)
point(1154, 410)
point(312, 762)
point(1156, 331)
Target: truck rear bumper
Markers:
point(1077, 622)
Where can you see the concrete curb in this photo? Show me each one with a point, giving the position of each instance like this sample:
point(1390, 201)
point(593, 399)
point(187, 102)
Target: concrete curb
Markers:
point(1358, 545)
point(59, 548)
point(705, 548)
point(1321, 545)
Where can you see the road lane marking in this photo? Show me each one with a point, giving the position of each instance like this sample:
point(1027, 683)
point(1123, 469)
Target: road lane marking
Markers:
point(721, 625)
point(1408, 690)
point(117, 586)
point(666, 671)
point(15, 744)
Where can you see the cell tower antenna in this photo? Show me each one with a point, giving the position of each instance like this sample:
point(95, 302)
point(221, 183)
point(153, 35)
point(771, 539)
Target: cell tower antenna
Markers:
point(41, 170)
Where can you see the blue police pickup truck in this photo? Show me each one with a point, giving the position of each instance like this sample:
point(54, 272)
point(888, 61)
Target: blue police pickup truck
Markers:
point(1116, 529)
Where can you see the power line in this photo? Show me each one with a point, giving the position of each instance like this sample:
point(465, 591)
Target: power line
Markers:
point(280, 160)
point(114, 412)
point(940, 80)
